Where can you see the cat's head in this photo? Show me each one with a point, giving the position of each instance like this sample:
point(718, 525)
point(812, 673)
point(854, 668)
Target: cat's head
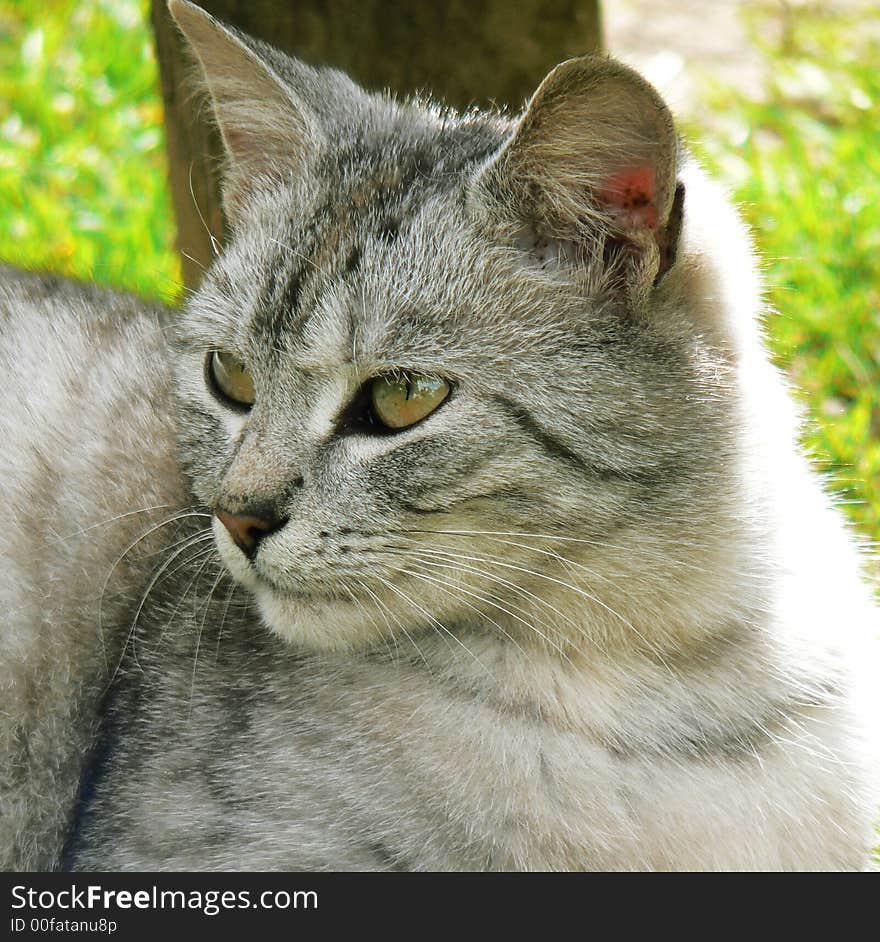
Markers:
point(442, 371)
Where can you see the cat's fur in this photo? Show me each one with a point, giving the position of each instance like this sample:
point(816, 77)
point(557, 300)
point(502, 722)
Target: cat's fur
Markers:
point(87, 443)
point(594, 612)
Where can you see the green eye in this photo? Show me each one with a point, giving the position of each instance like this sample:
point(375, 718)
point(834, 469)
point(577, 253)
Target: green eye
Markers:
point(231, 378)
point(401, 401)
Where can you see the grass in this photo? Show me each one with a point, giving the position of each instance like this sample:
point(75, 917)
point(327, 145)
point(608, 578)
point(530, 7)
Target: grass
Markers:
point(83, 191)
point(804, 163)
point(82, 161)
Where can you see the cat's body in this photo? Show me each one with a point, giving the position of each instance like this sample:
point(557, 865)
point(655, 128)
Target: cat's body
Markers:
point(591, 611)
point(232, 752)
point(81, 454)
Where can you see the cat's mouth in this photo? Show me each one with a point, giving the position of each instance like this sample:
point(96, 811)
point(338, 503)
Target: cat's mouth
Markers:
point(255, 575)
point(314, 604)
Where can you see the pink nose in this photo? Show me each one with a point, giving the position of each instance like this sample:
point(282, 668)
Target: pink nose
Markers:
point(246, 531)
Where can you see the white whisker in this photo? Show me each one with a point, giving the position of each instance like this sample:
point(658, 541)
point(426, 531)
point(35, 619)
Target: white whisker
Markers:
point(188, 543)
point(172, 519)
point(201, 628)
point(447, 587)
point(107, 522)
point(233, 585)
point(434, 622)
point(428, 557)
point(215, 245)
point(597, 544)
point(400, 624)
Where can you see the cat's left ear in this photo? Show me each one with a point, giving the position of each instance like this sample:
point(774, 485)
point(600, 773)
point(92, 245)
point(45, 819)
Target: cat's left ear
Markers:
point(267, 130)
point(592, 163)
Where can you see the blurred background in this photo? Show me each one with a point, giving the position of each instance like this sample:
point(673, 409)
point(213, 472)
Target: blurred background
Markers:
point(780, 99)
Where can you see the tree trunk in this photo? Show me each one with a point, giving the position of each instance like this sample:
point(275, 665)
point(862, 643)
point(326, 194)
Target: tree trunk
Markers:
point(465, 53)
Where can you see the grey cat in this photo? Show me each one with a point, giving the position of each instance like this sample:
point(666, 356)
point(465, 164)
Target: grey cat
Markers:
point(485, 542)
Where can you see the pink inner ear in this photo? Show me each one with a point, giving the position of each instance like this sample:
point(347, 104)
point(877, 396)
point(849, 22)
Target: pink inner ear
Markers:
point(629, 194)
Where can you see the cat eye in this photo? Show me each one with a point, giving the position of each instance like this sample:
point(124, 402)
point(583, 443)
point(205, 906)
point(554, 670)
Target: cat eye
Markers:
point(400, 401)
point(231, 379)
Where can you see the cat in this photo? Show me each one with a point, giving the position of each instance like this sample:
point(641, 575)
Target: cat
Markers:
point(485, 541)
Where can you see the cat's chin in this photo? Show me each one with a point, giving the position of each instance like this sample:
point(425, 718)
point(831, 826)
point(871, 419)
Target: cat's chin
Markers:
point(313, 622)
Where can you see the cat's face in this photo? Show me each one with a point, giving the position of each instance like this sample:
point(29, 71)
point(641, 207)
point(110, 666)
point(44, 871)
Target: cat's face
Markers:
point(409, 390)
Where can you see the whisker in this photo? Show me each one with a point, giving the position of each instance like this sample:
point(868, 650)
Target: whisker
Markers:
point(447, 587)
point(104, 523)
point(435, 622)
point(305, 258)
point(556, 556)
point(382, 606)
point(510, 608)
point(192, 686)
point(597, 544)
point(563, 584)
point(215, 245)
point(191, 541)
point(368, 615)
point(202, 554)
point(172, 519)
point(429, 561)
point(233, 585)
point(194, 260)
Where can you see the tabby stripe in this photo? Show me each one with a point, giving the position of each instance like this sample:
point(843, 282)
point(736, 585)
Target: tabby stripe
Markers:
point(552, 446)
point(558, 450)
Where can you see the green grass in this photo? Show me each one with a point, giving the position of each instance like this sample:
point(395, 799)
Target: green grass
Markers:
point(83, 191)
point(804, 163)
point(82, 160)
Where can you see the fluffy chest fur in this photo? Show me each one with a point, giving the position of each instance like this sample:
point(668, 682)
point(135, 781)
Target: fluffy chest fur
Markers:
point(246, 757)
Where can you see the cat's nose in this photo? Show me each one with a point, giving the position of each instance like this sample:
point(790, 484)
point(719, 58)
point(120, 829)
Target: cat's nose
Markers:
point(247, 530)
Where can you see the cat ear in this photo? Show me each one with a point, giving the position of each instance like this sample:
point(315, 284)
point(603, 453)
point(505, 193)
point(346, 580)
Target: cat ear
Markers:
point(592, 164)
point(266, 129)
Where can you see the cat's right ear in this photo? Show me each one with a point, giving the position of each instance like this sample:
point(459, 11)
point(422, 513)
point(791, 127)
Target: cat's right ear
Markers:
point(591, 165)
point(267, 132)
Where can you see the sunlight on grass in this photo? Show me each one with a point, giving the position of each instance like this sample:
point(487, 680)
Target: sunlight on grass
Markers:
point(804, 162)
point(82, 161)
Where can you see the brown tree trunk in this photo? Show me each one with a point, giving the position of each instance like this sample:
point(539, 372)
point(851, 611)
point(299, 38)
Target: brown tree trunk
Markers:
point(475, 52)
